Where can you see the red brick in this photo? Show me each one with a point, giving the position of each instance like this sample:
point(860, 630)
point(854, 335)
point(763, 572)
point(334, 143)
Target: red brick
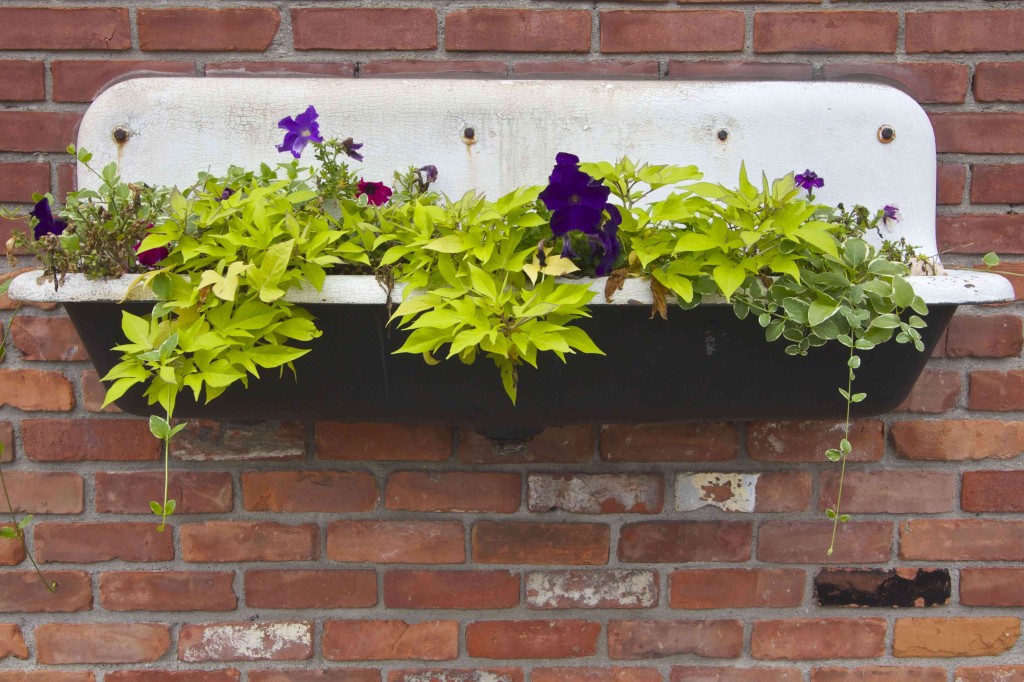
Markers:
point(985, 31)
point(167, 591)
point(454, 491)
point(397, 542)
point(382, 442)
point(860, 542)
point(984, 336)
point(413, 68)
point(997, 391)
point(981, 233)
point(962, 540)
point(636, 639)
point(685, 442)
point(36, 390)
point(990, 673)
point(950, 179)
point(928, 82)
point(223, 675)
point(822, 32)
point(230, 541)
point(817, 638)
point(69, 643)
point(532, 638)
point(557, 444)
point(47, 338)
point(50, 492)
point(12, 642)
point(412, 589)
point(454, 675)
point(12, 551)
point(194, 492)
point(890, 492)
point(82, 81)
point(999, 82)
point(17, 183)
point(602, 589)
point(807, 441)
point(620, 674)
point(309, 491)
point(91, 542)
point(993, 491)
point(935, 392)
point(37, 131)
point(728, 674)
point(206, 440)
point(6, 442)
point(37, 28)
point(24, 592)
point(603, 70)
point(360, 29)
point(672, 31)
point(261, 641)
point(67, 181)
point(596, 493)
point(723, 588)
point(22, 81)
point(979, 132)
point(245, 29)
point(516, 30)
point(94, 392)
point(45, 676)
point(369, 640)
point(958, 439)
point(953, 637)
point(684, 541)
point(740, 71)
point(78, 440)
point(1001, 184)
point(877, 673)
point(771, 491)
point(299, 589)
point(328, 69)
point(306, 675)
point(521, 542)
point(992, 587)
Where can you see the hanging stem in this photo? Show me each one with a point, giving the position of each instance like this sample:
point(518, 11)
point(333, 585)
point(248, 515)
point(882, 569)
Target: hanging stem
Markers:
point(844, 449)
point(164, 510)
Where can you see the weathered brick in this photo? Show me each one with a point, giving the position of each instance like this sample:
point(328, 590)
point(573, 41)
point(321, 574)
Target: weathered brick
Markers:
point(421, 589)
point(6, 442)
point(540, 543)
point(993, 491)
point(418, 68)
point(238, 29)
point(360, 29)
point(612, 589)
point(832, 31)
point(454, 491)
point(94, 393)
point(23, 591)
point(862, 542)
point(308, 675)
point(996, 391)
point(890, 492)
point(986, 31)
point(12, 641)
point(672, 31)
point(205, 440)
point(12, 552)
point(78, 440)
point(82, 81)
point(532, 638)
point(38, 28)
point(958, 439)
point(894, 587)
point(979, 132)
point(684, 541)
point(309, 491)
point(927, 82)
point(999, 82)
point(953, 637)
point(382, 442)
point(724, 588)
point(981, 233)
point(245, 642)
point(167, 591)
point(517, 30)
point(91, 542)
point(877, 673)
point(935, 392)
point(950, 179)
point(992, 586)
point(998, 184)
point(45, 676)
point(402, 542)
point(455, 675)
point(730, 674)
point(22, 81)
point(773, 491)
point(556, 444)
point(596, 493)
point(604, 70)
point(780, 71)
point(223, 675)
point(70, 643)
point(371, 640)
point(50, 492)
point(309, 589)
point(17, 183)
point(685, 442)
point(320, 69)
point(818, 638)
point(807, 441)
point(984, 336)
point(47, 338)
point(990, 673)
point(194, 492)
point(36, 390)
point(37, 131)
point(230, 541)
point(617, 674)
point(962, 540)
point(638, 639)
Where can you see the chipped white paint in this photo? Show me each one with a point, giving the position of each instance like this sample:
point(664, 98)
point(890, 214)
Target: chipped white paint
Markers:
point(248, 641)
point(594, 493)
point(730, 491)
point(591, 589)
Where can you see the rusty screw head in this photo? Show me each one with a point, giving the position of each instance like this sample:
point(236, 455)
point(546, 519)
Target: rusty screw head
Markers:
point(120, 134)
point(723, 134)
point(469, 134)
point(886, 134)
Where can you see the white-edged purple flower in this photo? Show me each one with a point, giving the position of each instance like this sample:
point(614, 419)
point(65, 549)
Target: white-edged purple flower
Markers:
point(301, 130)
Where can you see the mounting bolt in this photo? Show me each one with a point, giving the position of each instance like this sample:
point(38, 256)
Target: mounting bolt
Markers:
point(469, 136)
point(886, 134)
point(723, 134)
point(120, 134)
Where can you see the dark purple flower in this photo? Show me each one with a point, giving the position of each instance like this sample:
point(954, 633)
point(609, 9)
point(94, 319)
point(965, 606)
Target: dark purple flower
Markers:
point(890, 213)
point(45, 223)
point(574, 198)
point(301, 130)
point(226, 194)
point(608, 241)
point(151, 257)
point(809, 181)
point(351, 148)
point(377, 193)
point(426, 175)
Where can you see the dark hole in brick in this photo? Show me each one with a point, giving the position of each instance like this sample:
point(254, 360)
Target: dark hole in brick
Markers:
point(879, 587)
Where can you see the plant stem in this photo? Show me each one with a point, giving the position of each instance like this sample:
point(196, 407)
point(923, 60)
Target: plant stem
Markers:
point(167, 474)
point(846, 437)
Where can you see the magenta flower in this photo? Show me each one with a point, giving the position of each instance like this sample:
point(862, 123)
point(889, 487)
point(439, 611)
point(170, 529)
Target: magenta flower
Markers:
point(300, 131)
point(377, 193)
point(45, 224)
point(809, 181)
point(151, 257)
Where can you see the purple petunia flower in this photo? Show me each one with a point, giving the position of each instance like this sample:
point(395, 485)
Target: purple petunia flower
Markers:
point(809, 181)
point(575, 199)
point(151, 257)
point(890, 213)
point(608, 241)
point(351, 149)
point(226, 194)
point(427, 175)
point(46, 224)
point(301, 130)
point(377, 193)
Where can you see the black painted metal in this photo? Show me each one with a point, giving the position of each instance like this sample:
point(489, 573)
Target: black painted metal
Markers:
point(701, 364)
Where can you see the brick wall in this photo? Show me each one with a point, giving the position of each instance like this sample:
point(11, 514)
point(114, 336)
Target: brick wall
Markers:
point(380, 553)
